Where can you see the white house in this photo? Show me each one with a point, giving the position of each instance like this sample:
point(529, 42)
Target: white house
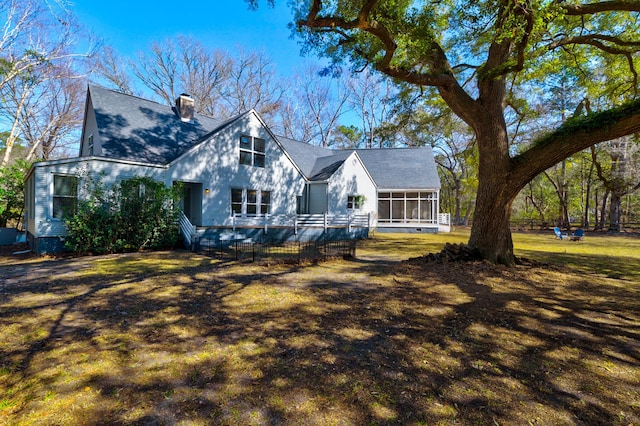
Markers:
point(238, 176)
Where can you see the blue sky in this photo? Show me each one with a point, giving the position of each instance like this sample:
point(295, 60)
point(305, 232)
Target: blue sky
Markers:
point(130, 26)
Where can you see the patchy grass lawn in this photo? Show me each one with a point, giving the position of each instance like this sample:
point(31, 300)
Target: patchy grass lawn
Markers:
point(179, 338)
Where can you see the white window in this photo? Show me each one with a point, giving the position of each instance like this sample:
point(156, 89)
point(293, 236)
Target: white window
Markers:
point(236, 200)
point(407, 207)
point(90, 145)
point(265, 202)
point(355, 202)
point(250, 201)
point(65, 196)
point(252, 151)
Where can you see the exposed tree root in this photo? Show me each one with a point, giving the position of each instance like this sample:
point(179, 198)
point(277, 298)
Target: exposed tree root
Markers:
point(454, 253)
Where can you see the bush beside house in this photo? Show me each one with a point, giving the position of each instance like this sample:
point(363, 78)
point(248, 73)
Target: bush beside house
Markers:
point(133, 215)
point(12, 192)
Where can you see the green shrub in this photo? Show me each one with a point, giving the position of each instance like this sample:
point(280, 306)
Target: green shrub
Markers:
point(12, 192)
point(136, 214)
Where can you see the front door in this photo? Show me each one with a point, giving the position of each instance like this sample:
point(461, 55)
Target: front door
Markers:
point(318, 199)
point(191, 202)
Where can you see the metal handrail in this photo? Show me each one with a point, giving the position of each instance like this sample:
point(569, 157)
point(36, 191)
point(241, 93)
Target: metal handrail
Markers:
point(188, 230)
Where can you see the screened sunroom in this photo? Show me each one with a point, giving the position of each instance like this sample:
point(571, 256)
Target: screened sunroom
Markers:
point(401, 208)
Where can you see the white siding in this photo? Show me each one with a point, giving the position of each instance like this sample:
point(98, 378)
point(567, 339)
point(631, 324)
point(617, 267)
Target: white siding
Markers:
point(105, 171)
point(215, 164)
point(351, 179)
point(90, 128)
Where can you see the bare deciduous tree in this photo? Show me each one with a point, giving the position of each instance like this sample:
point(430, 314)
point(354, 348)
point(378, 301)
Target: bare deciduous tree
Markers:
point(253, 84)
point(110, 66)
point(203, 74)
point(313, 106)
point(159, 70)
point(371, 98)
point(37, 39)
point(52, 119)
point(292, 119)
point(221, 85)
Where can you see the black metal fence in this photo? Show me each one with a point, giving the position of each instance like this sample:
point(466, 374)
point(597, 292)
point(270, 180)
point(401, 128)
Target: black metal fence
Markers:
point(288, 252)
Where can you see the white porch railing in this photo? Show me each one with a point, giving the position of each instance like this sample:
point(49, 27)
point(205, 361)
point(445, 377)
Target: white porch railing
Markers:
point(296, 221)
point(444, 222)
point(444, 219)
point(187, 229)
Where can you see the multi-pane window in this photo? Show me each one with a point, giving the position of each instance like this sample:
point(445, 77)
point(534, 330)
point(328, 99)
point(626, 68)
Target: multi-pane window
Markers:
point(65, 196)
point(250, 201)
point(90, 145)
point(355, 202)
point(407, 207)
point(252, 151)
point(236, 200)
point(265, 202)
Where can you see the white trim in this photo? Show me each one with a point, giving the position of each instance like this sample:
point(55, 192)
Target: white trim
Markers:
point(355, 204)
point(407, 225)
point(209, 136)
point(106, 160)
point(244, 203)
point(91, 145)
point(433, 202)
point(51, 192)
point(364, 167)
point(408, 189)
point(89, 159)
point(252, 151)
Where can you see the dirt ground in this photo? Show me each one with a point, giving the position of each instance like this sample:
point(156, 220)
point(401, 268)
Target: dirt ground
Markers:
point(178, 338)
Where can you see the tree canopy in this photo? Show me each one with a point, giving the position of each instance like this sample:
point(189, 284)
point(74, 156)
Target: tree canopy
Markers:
point(483, 58)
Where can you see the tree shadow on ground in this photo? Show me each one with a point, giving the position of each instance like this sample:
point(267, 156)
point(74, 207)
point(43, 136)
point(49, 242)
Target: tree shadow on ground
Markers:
point(618, 267)
point(185, 338)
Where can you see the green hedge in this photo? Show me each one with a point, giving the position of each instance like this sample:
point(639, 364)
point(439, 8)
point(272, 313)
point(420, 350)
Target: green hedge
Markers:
point(136, 214)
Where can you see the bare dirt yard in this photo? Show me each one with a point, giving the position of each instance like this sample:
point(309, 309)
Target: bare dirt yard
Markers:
point(387, 338)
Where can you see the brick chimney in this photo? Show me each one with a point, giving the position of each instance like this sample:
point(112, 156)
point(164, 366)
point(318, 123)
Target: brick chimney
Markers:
point(185, 106)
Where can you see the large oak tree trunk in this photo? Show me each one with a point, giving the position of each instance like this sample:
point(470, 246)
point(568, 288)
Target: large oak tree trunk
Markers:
point(419, 60)
point(490, 230)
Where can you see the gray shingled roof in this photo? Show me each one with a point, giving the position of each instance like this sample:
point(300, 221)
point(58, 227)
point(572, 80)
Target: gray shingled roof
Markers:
point(390, 168)
point(401, 168)
point(325, 167)
point(303, 154)
point(136, 129)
